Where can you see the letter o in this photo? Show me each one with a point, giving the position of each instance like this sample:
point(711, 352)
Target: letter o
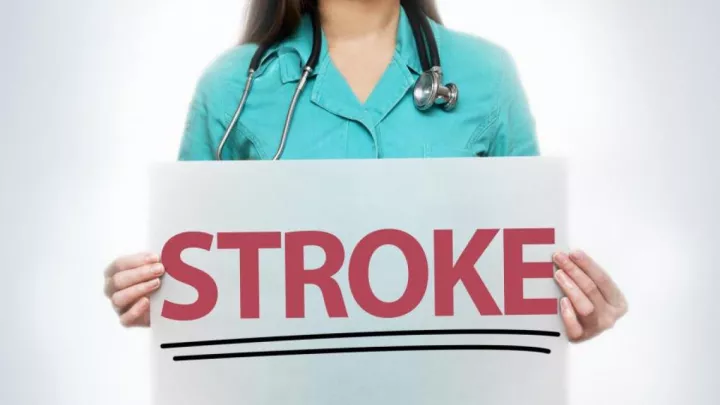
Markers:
point(359, 273)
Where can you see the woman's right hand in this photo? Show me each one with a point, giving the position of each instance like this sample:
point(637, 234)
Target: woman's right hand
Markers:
point(129, 281)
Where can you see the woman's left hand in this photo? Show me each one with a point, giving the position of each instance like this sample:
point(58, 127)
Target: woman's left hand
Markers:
point(592, 302)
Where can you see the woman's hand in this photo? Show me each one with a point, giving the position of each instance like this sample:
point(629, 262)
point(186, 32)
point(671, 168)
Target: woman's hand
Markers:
point(592, 302)
point(129, 280)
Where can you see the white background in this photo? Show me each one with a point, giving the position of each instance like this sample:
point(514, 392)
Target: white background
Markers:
point(92, 91)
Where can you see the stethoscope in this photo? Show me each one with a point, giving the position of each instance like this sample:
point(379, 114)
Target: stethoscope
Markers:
point(428, 91)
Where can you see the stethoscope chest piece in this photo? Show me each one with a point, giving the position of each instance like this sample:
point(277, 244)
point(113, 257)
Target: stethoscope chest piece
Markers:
point(429, 91)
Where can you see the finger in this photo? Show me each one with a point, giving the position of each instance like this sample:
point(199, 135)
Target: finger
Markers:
point(599, 276)
point(135, 314)
point(127, 278)
point(130, 262)
point(581, 279)
point(123, 298)
point(573, 328)
point(579, 300)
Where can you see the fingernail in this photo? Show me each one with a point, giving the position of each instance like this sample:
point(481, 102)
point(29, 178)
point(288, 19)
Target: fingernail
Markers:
point(562, 278)
point(157, 269)
point(565, 305)
point(577, 255)
point(155, 283)
point(151, 258)
point(560, 258)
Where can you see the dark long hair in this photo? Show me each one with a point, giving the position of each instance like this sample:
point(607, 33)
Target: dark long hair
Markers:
point(271, 21)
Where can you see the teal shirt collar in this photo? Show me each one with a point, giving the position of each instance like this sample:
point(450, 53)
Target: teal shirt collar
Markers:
point(299, 45)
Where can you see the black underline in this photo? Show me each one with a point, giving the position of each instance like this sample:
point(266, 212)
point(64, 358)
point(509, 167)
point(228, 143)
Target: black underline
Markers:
point(305, 352)
point(351, 335)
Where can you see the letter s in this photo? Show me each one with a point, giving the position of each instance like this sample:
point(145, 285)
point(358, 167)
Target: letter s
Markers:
point(192, 276)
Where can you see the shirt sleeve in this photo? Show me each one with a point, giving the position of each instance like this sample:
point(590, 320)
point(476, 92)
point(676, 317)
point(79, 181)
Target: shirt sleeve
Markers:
point(515, 125)
point(201, 130)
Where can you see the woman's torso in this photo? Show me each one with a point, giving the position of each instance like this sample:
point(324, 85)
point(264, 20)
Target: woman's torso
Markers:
point(491, 118)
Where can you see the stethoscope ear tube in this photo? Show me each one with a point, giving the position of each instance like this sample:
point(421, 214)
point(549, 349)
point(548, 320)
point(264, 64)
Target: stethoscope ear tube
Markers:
point(419, 35)
point(428, 45)
point(317, 40)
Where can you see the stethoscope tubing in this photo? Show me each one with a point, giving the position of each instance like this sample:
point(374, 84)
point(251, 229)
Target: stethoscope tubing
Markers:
point(424, 39)
point(241, 105)
point(291, 112)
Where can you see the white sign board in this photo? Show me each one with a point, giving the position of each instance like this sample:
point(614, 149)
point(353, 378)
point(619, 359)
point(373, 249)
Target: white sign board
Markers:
point(422, 282)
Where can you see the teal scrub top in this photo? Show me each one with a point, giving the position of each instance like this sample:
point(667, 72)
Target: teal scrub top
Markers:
point(492, 117)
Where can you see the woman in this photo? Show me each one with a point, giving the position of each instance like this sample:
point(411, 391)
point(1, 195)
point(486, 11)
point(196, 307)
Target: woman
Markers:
point(359, 103)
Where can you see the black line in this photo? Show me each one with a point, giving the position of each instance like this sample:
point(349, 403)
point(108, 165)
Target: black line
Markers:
point(304, 352)
point(351, 335)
